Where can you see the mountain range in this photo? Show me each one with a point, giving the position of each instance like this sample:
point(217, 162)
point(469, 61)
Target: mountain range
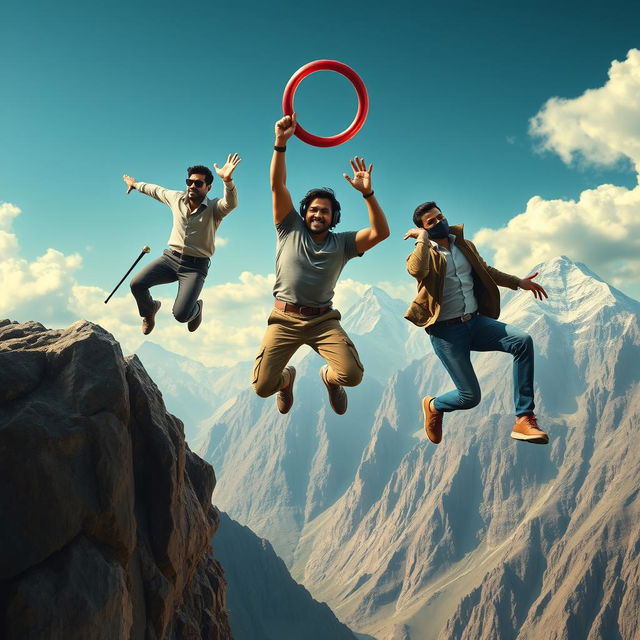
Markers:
point(481, 536)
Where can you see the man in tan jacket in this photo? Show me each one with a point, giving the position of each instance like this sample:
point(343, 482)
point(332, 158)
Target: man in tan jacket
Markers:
point(458, 304)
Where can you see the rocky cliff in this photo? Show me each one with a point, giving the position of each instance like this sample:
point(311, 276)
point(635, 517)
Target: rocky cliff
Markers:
point(106, 516)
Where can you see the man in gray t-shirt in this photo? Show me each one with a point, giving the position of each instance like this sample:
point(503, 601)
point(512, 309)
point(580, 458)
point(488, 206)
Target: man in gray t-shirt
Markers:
point(309, 260)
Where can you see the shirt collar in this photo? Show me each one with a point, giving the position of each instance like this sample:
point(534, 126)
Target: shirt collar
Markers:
point(435, 245)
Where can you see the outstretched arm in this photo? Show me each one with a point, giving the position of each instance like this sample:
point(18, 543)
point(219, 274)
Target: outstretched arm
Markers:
point(378, 229)
point(159, 193)
point(513, 282)
point(229, 200)
point(282, 203)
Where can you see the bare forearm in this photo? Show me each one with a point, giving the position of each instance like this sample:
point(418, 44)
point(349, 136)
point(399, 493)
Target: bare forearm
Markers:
point(282, 203)
point(279, 165)
point(377, 219)
point(378, 229)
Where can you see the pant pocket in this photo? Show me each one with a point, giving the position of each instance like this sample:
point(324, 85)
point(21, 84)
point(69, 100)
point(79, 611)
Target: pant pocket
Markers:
point(256, 366)
point(354, 353)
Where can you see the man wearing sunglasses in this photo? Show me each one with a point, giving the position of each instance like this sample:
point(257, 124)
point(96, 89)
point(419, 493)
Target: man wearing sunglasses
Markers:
point(309, 260)
point(191, 243)
point(458, 304)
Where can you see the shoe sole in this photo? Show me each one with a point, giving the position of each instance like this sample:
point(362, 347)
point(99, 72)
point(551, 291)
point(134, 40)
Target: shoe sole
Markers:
point(197, 319)
point(323, 371)
point(292, 372)
point(531, 439)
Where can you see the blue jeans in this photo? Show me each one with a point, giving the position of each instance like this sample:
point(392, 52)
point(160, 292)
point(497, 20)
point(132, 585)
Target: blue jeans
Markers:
point(454, 343)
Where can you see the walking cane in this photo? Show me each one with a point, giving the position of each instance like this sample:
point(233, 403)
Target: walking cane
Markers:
point(145, 249)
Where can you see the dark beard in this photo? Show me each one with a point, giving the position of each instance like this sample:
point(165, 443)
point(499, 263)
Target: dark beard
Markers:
point(322, 230)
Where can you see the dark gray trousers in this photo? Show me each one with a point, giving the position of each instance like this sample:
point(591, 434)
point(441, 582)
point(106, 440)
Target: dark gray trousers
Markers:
point(190, 274)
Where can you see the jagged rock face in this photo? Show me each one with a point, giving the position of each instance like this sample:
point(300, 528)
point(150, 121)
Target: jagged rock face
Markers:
point(106, 514)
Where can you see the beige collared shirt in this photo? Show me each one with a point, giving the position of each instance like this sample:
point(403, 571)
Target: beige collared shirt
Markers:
point(193, 233)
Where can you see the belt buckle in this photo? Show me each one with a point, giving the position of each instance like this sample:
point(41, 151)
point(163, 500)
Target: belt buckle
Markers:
point(466, 317)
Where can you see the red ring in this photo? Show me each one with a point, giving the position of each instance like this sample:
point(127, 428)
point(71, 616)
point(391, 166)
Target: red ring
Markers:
point(347, 72)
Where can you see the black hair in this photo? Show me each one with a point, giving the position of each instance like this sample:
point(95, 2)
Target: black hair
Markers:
point(323, 192)
point(201, 170)
point(421, 209)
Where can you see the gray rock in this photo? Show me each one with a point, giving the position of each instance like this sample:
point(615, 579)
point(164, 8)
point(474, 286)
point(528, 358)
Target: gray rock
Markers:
point(106, 514)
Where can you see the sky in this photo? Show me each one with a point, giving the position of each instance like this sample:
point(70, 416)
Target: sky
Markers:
point(522, 120)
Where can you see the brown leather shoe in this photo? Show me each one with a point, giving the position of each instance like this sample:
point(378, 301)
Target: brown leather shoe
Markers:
point(526, 429)
point(337, 395)
point(432, 420)
point(194, 323)
point(284, 399)
point(148, 322)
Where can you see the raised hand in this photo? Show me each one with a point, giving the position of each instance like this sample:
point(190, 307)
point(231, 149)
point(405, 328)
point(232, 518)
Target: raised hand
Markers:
point(129, 181)
point(529, 285)
point(415, 232)
point(361, 175)
point(233, 160)
point(285, 128)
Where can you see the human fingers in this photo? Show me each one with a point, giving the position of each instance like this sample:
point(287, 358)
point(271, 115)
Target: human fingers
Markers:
point(349, 180)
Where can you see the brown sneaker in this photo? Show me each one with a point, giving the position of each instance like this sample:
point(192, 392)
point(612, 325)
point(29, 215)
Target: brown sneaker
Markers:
point(432, 420)
point(337, 395)
point(194, 323)
point(284, 399)
point(148, 322)
point(526, 428)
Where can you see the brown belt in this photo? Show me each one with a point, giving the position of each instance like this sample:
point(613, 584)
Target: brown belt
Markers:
point(301, 309)
point(465, 318)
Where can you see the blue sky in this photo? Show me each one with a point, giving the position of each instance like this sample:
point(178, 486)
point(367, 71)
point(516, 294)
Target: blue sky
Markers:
point(95, 91)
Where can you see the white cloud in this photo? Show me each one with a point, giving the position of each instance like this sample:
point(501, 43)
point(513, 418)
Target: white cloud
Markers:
point(601, 228)
point(39, 286)
point(602, 126)
point(8, 212)
point(221, 242)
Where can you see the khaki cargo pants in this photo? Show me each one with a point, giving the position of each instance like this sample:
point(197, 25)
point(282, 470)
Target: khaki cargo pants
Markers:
point(287, 332)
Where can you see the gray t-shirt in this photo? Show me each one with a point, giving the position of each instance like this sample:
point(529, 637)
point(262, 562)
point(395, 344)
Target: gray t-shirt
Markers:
point(306, 272)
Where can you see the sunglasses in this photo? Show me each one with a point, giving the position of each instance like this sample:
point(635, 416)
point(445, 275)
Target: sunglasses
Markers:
point(195, 183)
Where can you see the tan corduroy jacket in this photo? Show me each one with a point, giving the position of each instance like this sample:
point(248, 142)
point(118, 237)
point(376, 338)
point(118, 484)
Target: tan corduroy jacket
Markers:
point(429, 267)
